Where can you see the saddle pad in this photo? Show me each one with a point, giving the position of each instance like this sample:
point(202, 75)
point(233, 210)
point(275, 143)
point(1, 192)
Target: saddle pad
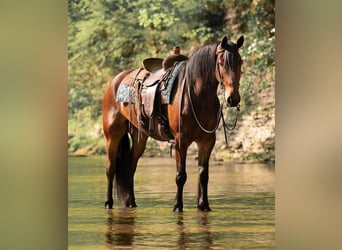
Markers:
point(126, 93)
point(166, 93)
point(122, 95)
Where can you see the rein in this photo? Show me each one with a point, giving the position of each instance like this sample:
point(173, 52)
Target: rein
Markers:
point(196, 118)
point(226, 126)
point(219, 77)
point(219, 113)
point(219, 116)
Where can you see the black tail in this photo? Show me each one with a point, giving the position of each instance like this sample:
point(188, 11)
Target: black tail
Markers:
point(123, 175)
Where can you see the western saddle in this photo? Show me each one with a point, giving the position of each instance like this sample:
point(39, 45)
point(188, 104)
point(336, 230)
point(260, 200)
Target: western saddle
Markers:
point(148, 83)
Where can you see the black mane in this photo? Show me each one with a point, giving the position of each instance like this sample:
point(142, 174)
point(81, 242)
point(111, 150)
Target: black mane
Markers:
point(201, 64)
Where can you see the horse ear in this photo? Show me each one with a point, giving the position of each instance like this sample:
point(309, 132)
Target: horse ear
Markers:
point(224, 41)
point(240, 41)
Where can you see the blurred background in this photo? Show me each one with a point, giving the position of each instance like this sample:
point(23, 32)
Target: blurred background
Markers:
point(107, 37)
point(34, 123)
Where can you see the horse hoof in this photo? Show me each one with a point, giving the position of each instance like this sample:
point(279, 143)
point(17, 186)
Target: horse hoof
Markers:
point(204, 208)
point(178, 210)
point(131, 205)
point(109, 205)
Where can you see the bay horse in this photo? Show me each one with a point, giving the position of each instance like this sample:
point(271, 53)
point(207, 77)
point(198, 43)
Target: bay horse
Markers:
point(193, 115)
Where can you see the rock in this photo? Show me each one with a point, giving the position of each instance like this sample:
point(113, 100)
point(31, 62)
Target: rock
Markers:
point(254, 138)
point(236, 145)
point(269, 143)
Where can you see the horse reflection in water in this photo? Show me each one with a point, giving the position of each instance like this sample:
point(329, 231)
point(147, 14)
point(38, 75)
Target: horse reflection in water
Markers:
point(120, 229)
point(121, 232)
point(193, 115)
point(203, 238)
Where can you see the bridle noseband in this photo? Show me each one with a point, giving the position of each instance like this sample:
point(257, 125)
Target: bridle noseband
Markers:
point(218, 74)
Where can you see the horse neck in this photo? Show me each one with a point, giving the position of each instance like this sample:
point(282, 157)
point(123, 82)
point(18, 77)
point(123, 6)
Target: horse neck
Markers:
point(204, 98)
point(204, 90)
point(201, 80)
point(200, 74)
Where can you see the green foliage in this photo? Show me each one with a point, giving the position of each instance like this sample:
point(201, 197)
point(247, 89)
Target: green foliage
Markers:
point(256, 20)
point(106, 37)
point(85, 137)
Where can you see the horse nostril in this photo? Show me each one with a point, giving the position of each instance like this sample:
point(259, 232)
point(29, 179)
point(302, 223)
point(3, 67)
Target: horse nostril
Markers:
point(230, 101)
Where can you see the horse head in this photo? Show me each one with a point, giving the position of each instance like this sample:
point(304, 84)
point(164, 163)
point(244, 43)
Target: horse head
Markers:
point(228, 69)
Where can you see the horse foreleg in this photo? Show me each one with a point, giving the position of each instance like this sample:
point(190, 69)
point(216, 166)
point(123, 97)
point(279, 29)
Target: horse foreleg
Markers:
point(181, 176)
point(204, 151)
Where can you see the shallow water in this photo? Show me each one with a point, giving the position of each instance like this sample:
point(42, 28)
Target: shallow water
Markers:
point(240, 195)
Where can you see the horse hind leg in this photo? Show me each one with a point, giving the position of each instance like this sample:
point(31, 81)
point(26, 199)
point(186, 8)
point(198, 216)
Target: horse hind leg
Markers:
point(112, 147)
point(138, 147)
point(123, 171)
point(110, 171)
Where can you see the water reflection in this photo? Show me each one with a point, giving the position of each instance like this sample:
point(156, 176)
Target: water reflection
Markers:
point(192, 230)
point(204, 228)
point(120, 228)
point(181, 231)
point(202, 238)
point(241, 196)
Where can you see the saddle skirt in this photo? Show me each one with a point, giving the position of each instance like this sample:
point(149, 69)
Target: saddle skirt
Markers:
point(150, 90)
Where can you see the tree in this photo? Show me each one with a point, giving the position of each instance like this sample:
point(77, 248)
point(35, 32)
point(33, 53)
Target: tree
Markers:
point(106, 37)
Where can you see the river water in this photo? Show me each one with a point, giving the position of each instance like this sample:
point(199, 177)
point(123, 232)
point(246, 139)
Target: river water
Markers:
point(240, 195)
